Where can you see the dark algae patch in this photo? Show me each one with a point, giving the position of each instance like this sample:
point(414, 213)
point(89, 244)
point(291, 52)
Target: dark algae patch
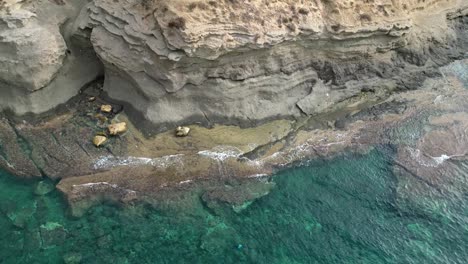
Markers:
point(343, 210)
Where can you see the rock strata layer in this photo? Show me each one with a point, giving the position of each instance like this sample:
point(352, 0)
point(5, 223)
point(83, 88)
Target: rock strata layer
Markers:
point(241, 62)
point(230, 165)
point(231, 62)
point(334, 65)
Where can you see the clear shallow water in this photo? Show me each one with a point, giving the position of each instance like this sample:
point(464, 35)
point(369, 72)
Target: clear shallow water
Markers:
point(339, 211)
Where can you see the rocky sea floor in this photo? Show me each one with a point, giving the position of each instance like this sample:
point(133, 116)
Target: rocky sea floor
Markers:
point(343, 142)
point(345, 210)
point(387, 184)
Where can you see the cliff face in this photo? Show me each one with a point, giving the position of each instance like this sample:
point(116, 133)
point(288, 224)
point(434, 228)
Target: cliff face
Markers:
point(229, 61)
point(245, 61)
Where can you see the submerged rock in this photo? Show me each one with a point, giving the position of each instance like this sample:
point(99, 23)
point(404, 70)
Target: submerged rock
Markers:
point(20, 215)
point(218, 237)
point(43, 188)
point(102, 119)
point(32, 239)
point(72, 258)
point(52, 234)
point(237, 196)
point(14, 152)
point(430, 171)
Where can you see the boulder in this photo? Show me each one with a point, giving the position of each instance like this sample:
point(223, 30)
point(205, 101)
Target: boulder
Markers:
point(117, 128)
point(72, 258)
point(182, 131)
point(106, 108)
point(22, 39)
point(52, 234)
point(43, 188)
point(235, 197)
point(40, 67)
point(99, 140)
point(323, 98)
point(22, 216)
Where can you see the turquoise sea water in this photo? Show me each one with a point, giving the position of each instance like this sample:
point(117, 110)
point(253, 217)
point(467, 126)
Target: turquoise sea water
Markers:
point(339, 211)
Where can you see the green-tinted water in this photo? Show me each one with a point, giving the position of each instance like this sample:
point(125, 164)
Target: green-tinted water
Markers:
point(339, 211)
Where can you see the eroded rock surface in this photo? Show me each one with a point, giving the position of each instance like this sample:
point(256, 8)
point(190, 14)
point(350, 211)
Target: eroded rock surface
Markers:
point(24, 40)
point(246, 61)
point(426, 127)
point(44, 59)
point(228, 165)
point(230, 62)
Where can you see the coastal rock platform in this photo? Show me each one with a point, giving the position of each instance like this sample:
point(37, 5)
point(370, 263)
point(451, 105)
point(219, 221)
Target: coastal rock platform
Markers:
point(261, 86)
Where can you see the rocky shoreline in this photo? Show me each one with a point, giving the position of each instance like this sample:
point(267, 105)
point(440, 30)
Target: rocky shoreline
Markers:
point(253, 106)
point(231, 165)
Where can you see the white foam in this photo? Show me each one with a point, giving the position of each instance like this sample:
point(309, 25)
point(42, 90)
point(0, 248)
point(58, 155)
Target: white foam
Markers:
point(441, 159)
point(429, 161)
point(92, 184)
point(261, 175)
point(221, 153)
point(335, 143)
point(185, 182)
point(107, 162)
point(9, 165)
point(438, 99)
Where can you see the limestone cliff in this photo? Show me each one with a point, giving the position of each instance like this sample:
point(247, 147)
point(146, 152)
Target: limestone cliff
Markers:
point(246, 61)
point(230, 61)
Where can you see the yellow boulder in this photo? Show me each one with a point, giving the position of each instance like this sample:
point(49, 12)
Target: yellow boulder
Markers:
point(117, 128)
point(99, 140)
point(182, 131)
point(106, 108)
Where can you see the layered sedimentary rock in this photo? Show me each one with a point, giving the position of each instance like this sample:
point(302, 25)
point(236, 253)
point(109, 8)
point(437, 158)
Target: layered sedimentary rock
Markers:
point(231, 62)
point(234, 62)
point(230, 165)
point(246, 61)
